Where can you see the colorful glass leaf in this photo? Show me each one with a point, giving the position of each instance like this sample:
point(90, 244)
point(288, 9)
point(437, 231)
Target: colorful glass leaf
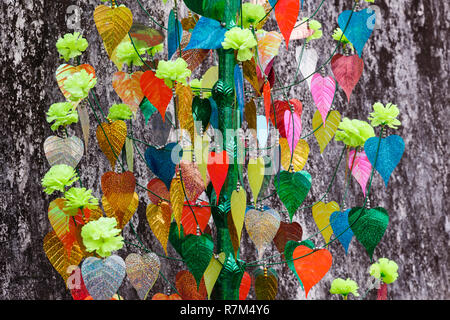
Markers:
point(207, 34)
point(122, 217)
point(299, 158)
point(212, 272)
point(160, 162)
point(266, 285)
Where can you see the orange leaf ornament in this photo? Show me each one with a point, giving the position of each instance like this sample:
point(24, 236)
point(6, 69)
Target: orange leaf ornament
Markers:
point(118, 188)
point(311, 265)
point(286, 13)
point(156, 91)
point(128, 88)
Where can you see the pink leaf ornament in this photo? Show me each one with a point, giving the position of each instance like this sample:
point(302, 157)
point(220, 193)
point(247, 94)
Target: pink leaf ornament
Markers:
point(361, 168)
point(293, 126)
point(322, 90)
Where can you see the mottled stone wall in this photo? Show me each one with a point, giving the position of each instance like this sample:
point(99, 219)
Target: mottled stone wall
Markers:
point(406, 62)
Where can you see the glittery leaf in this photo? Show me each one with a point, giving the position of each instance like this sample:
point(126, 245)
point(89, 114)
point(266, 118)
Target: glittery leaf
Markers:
point(197, 253)
point(250, 115)
point(158, 187)
point(111, 139)
point(266, 286)
point(103, 277)
point(187, 286)
point(162, 296)
point(262, 226)
point(192, 179)
point(113, 25)
point(185, 116)
point(142, 271)
point(159, 218)
point(118, 188)
point(177, 199)
point(122, 217)
point(58, 257)
point(249, 69)
point(67, 151)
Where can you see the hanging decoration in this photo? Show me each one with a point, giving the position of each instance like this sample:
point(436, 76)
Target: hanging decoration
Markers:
point(238, 140)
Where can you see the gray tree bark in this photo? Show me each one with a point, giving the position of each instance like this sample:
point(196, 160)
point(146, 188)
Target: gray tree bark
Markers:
point(406, 62)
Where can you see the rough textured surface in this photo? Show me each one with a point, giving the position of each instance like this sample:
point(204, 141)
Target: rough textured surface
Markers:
point(406, 62)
